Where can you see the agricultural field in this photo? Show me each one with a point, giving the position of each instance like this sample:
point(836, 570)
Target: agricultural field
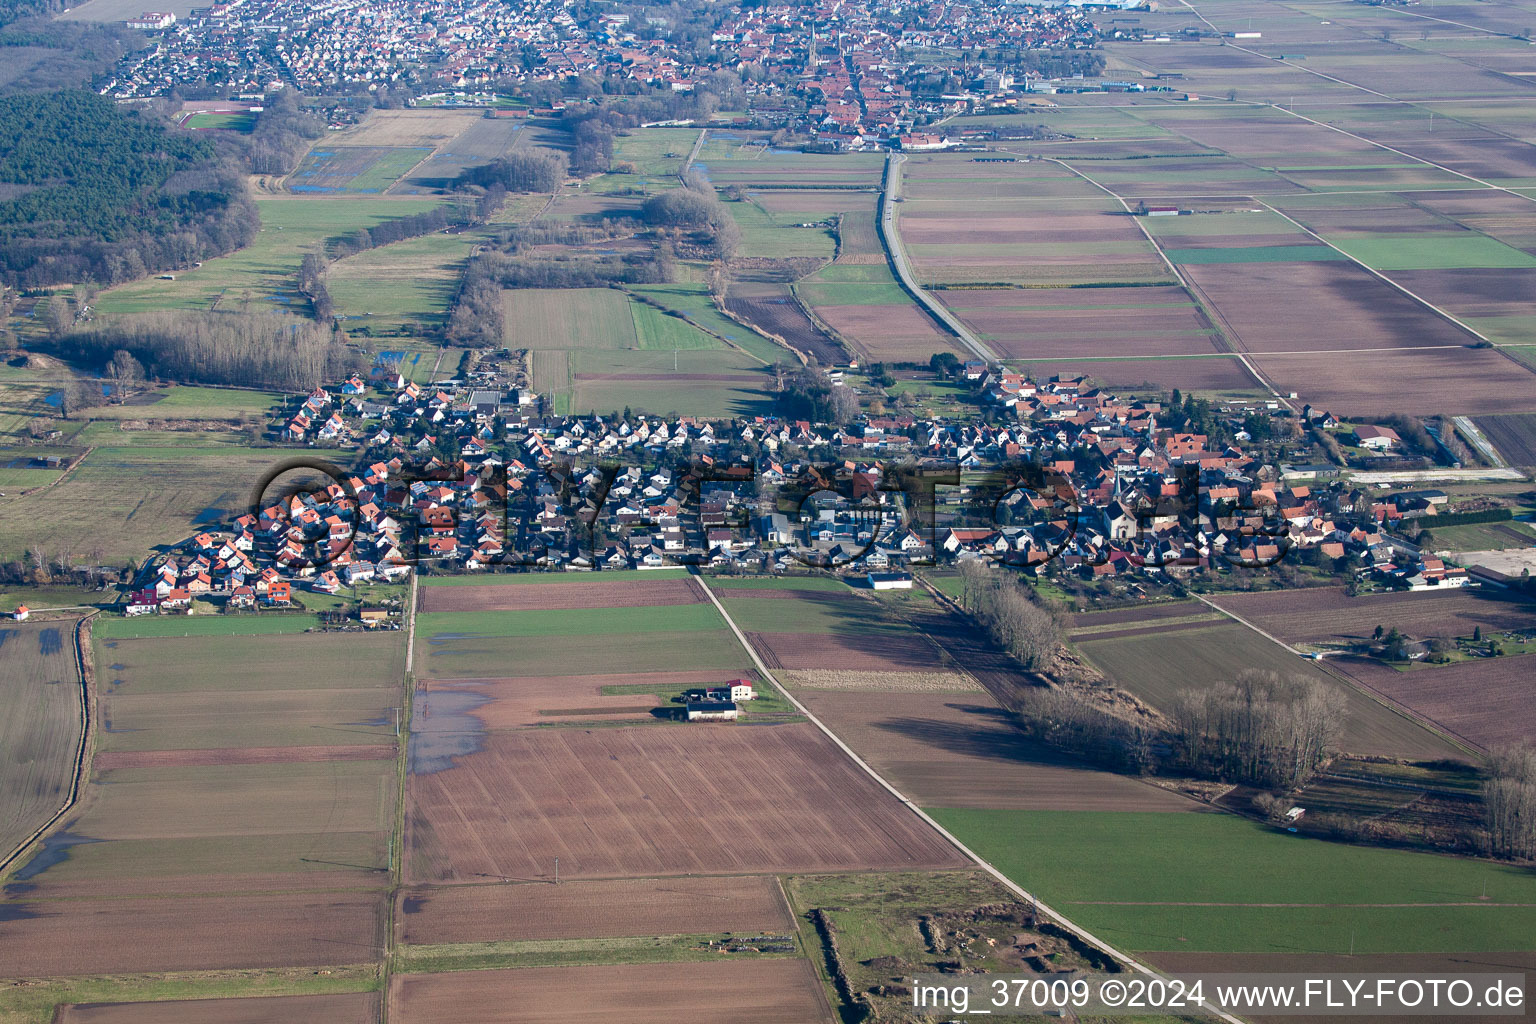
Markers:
point(756, 164)
point(1041, 323)
point(962, 750)
point(698, 382)
point(599, 593)
point(867, 308)
point(569, 318)
point(782, 234)
point(265, 273)
point(227, 783)
point(40, 732)
point(149, 493)
point(1329, 617)
point(657, 782)
point(1486, 702)
point(1156, 666)
point(695, 302)
point(461, 139)
point(406, 286)
point(347, 1008)
point(1042, 226)
point(607, 908)
point(362, 170)
point(767, 991)
point(1437, 381)
point(1218, 883)
point(1513, 436)
point(772, 306)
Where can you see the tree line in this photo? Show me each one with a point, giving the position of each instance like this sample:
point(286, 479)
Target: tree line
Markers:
point(1509, 802)
point(1008, 613)
point(1261, 728)
point(264, 350)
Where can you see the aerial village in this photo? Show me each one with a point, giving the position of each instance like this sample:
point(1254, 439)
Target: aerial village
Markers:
point(835, 70)
point(1062, 480)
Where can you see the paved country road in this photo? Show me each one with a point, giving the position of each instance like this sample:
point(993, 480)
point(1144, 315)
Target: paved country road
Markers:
point(888, 201)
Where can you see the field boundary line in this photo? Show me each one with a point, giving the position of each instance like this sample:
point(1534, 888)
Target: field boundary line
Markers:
point(1210, 308)
point(976, 858)
point(82, 752)
point(1378, 274)
point(1345, 679)
point(890, 240)
point(1470, 430)
point(397, 825)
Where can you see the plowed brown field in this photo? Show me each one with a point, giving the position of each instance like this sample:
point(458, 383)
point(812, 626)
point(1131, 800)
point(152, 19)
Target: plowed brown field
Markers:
point(512, 597)
point(962, 750)
point(610, 908)
point(832, 650)
point(68, 937)
point(718, 992)
point(654, 800)
point(1323, 615)
point(1486, 702)
point(536, 700)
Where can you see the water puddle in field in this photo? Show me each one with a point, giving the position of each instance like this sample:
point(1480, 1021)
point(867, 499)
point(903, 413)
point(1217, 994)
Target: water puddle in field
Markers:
point(49, 642)
point(443, 727)
point(6, 634)
point(55, 851)
point(413, 904)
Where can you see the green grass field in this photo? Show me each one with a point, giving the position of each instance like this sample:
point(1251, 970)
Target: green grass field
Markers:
point(694, 301)
point(241, 122)
point(406, 285)
point(569, 318)
point(654, 151)
point(125, 499)
point(181, 402)
point(264, 273)
point(1434, 252)
point(777, 235)
point(1139, 881)
point(232, 662)
point(321, 169)
point(697, 382)
point(1254, 254)
point(659, 330)
point(478, 657)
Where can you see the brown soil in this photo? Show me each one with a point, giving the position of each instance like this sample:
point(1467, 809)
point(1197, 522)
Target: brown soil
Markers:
point(712, 992)
point(611, 908)
point(513, 597)
point(644, 801)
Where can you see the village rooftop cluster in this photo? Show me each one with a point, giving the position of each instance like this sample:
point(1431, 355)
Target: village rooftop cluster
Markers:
point(1073, 480)
point(848, 67)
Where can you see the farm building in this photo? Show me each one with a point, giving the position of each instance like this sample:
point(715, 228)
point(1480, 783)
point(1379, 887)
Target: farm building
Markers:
point(22, 613)
point(712, 711)
point(890, 581)
point(735, 690)
point(1377, 439)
